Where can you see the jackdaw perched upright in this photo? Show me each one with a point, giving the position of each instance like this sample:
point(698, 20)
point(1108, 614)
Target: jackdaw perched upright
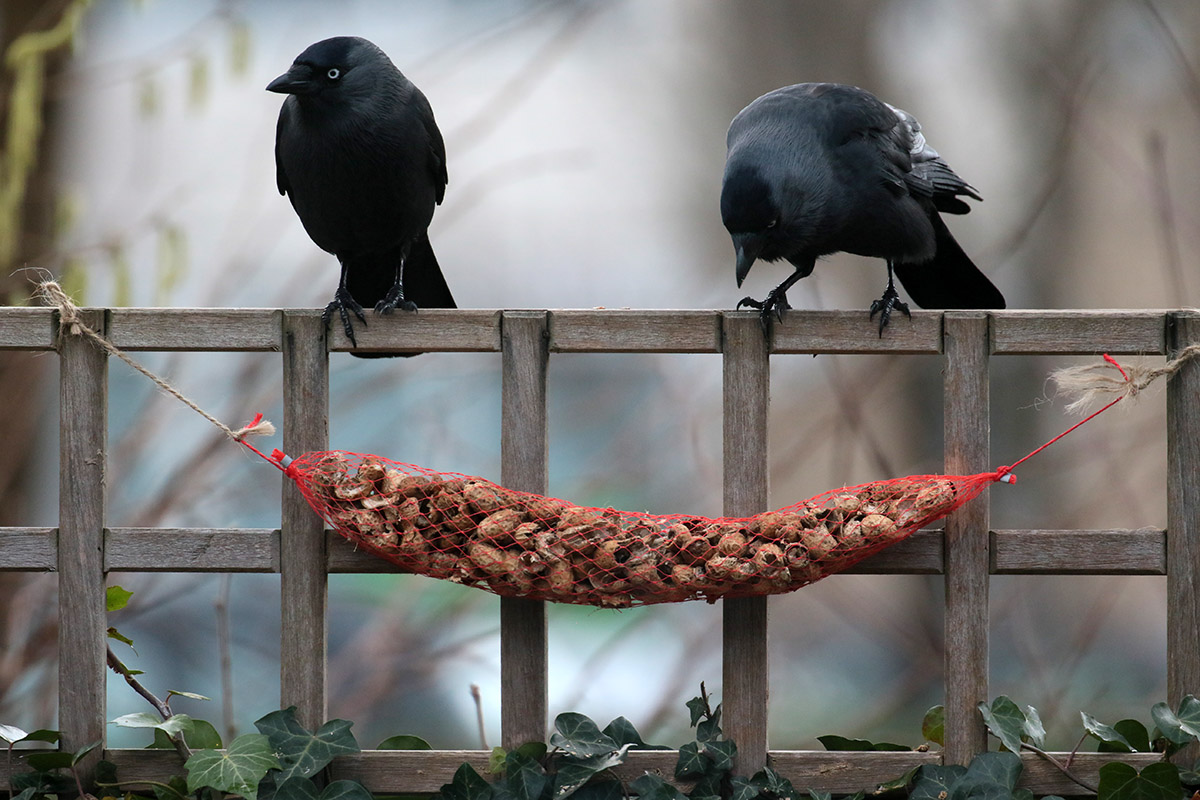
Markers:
point(358, 153)
point(820, 168)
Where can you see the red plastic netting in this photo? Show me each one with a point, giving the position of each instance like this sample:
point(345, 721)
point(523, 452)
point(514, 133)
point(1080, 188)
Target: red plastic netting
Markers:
point(472, 531)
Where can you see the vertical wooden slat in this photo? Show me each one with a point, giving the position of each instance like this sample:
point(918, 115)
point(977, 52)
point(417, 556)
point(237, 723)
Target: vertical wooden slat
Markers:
point(1183, 520)
point(83, 444)
point(523, 452)
point(303, 580)
point(746, 381)
point(967, 427)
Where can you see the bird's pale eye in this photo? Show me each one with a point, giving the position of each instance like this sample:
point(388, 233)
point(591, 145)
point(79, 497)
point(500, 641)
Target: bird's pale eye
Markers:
point(334, 73)
point(772, 223)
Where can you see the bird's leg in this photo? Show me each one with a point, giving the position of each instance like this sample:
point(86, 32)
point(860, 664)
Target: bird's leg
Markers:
point(395, 296)
point(890, 300)
point(775, 303)
point(344, 303)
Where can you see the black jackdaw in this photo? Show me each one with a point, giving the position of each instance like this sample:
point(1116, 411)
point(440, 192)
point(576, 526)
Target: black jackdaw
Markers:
point(358, 153)
point(820, 168)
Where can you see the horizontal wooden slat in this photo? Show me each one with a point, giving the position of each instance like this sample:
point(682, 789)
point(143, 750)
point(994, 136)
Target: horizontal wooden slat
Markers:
point(194, 329)
point(855, 332)
point(27, 328)
point(424, 772)
point(1111, 552)
point(1118, 332)
point(430, 330)
point(919, 554)
point(345, 557)
point(29, 549)
point(627, 331)
point(191, 550)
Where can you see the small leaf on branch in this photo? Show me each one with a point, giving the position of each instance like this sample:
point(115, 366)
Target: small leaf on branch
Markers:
point(933, 726)
point(578, 736)
point(404, 741)
point(1106, 733)
point(12, 734)
point(116, 598)
point(176, 723)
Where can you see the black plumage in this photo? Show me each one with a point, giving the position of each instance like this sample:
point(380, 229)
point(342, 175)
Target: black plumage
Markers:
point(820, 168)
point(358, 153)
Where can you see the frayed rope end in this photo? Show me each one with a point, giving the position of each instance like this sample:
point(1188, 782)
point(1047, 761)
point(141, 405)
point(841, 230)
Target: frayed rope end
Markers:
point(1110, 381)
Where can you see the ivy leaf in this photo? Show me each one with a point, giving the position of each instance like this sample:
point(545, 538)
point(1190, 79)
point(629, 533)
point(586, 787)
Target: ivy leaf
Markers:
point(524, 777)
point(621, 731)
point(710, 729)
point(1033, 730)
point(990, 776)
point(535, 750)
point(1106, 733)
point(237, 770)
point(188, 695)
point(295, 788)
point(1178, 728)
point(933, 726)
point(691, 763)
point(301, 752)
point(467, 784)
point(772, 782)
point(41, 735)
point(721, 754)
point(575, 772)
point(897, 784)
point(404, 741)
point(345, 790)
point(50, 760)
point(1136, 737)
point(743, 788)
point(116, 598)
point(815, 795)
point(933, 781)
point(1005, 721)
point(653, 787)
point(578, 736)
point(698, 708)
point(202, 736)
point(600, 790)
point(1158, 781)
point(174, 789)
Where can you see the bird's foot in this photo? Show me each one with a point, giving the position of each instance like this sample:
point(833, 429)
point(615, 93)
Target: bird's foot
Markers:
point(345, 305)
point(775, 304)
point(884, 306)
point(394, 299)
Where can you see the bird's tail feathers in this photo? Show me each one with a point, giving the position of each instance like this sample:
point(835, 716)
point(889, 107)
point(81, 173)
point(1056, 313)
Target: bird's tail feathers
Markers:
point(950, 280)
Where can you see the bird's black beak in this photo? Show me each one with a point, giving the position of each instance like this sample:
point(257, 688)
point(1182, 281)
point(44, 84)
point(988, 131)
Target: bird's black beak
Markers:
point(297, 80)
point(747, 247)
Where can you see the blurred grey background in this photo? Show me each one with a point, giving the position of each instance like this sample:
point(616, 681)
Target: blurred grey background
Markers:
point(585, 143)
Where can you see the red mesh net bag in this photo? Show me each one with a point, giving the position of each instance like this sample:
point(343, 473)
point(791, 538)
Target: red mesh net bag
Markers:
point(472, 531)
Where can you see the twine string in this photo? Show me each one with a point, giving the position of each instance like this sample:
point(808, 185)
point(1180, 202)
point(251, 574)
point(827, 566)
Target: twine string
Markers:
point(70, 320)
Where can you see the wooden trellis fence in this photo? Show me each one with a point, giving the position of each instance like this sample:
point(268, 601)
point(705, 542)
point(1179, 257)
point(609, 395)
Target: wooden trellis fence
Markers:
point(82, 548)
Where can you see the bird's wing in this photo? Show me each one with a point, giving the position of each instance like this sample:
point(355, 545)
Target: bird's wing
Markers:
point(437, 147)
point(929, 175)
point(280, 176)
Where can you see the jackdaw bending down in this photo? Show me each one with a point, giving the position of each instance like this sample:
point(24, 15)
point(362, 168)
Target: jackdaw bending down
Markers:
point(820, 168)
point(358, 153)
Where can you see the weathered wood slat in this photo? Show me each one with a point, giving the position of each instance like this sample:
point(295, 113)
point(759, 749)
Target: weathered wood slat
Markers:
point(1080, 332)
point(524, 660)
point(967, 426)
point(1113, 552)
point(854, 332)
point(1183, 521)
point(191, 550)
point(424, 772)
point(83, 449)
point(27, 328)
point(194, 329)
point(627, 331)
point(304, 583)
point(429, 330)
point(29, 549)
point(746, 402)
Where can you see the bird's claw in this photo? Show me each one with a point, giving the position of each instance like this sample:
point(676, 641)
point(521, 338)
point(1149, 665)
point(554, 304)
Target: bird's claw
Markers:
point(773, 305)
point(394, 299)
point(884, 306)
point(345, 305)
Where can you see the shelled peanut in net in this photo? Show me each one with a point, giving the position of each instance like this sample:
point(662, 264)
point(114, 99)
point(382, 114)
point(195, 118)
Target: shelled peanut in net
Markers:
point(471, 531)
